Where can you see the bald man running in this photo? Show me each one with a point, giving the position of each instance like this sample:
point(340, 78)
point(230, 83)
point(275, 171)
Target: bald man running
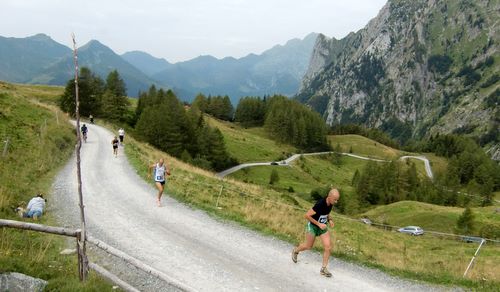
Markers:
point(318, 216)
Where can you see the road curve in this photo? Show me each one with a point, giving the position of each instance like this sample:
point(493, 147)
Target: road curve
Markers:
point(289, 160)
point(427, 164)
point(188, 245)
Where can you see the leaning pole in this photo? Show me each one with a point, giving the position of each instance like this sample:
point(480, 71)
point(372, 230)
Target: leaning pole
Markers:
point(81, 240)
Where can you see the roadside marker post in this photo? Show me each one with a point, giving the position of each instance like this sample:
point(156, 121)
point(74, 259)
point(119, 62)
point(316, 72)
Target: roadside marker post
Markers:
point(474, 257)
point(5, 147)
point(218, 197)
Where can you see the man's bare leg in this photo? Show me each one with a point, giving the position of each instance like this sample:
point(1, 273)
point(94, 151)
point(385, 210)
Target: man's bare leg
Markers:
point(325, 239)
point(307, 244)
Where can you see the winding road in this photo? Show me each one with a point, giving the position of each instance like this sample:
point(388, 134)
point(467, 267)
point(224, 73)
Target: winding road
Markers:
point(290, 159)
point(191, 247)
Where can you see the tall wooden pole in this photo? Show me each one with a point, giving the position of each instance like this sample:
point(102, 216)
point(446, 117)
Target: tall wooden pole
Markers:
point(82, 255)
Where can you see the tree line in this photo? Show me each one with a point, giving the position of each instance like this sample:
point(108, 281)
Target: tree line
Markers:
point(286, 121)
point(216, 106)
point(107, 99)
point(163, 121)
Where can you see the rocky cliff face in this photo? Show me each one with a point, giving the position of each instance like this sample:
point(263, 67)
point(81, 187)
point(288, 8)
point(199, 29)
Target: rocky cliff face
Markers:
point(419, 68)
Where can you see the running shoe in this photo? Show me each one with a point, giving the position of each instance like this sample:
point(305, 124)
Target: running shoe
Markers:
point(294, 255)
point(324, 271)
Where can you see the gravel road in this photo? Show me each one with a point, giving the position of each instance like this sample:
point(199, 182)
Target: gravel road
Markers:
point(290, 159)
point(188, 245)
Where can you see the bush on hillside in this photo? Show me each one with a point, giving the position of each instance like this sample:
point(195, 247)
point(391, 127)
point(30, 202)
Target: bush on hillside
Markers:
point(490, 231)
point(466, 223)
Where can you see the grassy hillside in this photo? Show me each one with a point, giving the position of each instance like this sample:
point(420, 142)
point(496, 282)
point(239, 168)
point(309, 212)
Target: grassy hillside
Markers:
point(428, 216)
point(38, 147)
point(280, 214)
point(305, 174)
point(364, 146)
point(308, 172)
point(250, 145)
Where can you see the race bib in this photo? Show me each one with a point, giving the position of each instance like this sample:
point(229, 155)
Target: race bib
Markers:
point(323, 219)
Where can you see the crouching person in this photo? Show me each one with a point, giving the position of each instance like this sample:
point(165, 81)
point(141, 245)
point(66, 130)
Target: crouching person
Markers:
point(35, 208)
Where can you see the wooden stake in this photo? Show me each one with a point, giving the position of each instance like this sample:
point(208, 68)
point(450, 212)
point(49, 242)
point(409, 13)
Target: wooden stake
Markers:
point(82, 239)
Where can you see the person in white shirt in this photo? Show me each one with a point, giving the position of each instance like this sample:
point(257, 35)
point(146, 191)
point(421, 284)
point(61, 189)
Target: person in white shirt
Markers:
point(160, 169)
point(121, 134)
point(36, 207)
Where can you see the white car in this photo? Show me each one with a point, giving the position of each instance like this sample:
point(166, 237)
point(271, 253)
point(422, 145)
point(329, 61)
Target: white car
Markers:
point(366, 221)
point(413, 230)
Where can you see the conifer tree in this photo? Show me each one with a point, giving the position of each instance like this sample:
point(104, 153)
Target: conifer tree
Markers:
point(465, 223)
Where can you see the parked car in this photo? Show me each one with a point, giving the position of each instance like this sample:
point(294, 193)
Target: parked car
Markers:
point(274, 163)
point(470, 239)
point(366, 221)
point(413, 230)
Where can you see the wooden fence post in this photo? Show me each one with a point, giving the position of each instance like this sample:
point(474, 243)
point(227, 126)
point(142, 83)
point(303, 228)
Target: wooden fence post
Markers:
point(82, 256)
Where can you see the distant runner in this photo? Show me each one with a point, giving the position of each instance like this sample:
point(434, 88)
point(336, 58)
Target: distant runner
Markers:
point(84, 130)
point(115, 142)
point(91, 117)
point(121, 134)
point(318, 216)
point(159, 170)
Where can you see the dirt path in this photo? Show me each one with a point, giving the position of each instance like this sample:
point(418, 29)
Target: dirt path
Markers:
point(187, 244)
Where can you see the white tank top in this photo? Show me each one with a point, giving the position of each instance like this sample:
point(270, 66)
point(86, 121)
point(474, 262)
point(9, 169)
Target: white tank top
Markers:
point(160, 173)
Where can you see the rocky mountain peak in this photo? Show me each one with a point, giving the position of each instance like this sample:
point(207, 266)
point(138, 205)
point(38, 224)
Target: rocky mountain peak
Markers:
point(417, 69)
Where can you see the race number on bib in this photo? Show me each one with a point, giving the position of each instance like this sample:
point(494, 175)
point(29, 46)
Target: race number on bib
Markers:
point(323, 219)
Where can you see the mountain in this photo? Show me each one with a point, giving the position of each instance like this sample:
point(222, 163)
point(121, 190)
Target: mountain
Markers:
point(22, 59)
point(101, 60)
point(419, 68)
point(145, 62)
point(40, 60)
point(277, 70)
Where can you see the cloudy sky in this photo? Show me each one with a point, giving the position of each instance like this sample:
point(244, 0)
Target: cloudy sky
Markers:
point(178, 30)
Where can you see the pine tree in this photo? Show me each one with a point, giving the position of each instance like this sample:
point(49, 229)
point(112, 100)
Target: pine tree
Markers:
point(465, 223)
point(90, 89)
point(115, 84)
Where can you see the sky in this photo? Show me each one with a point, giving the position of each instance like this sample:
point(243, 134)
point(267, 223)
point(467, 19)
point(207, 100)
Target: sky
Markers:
point(179, 30)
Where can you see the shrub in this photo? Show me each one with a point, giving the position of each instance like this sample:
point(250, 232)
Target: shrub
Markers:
point(490, 231)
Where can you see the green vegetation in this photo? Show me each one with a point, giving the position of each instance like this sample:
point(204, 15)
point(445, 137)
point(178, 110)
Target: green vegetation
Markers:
point(364, 146)
point(465, 223)
point(371, 133)
point(219, 107)
point(250, 145)
point(251, 111)
point(432, 217)
point(163, 122)
point(290, 122)
point(98, 98)
point(38, 146)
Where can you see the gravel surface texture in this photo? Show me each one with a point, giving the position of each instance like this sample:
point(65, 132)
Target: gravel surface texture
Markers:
point(186, 244)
